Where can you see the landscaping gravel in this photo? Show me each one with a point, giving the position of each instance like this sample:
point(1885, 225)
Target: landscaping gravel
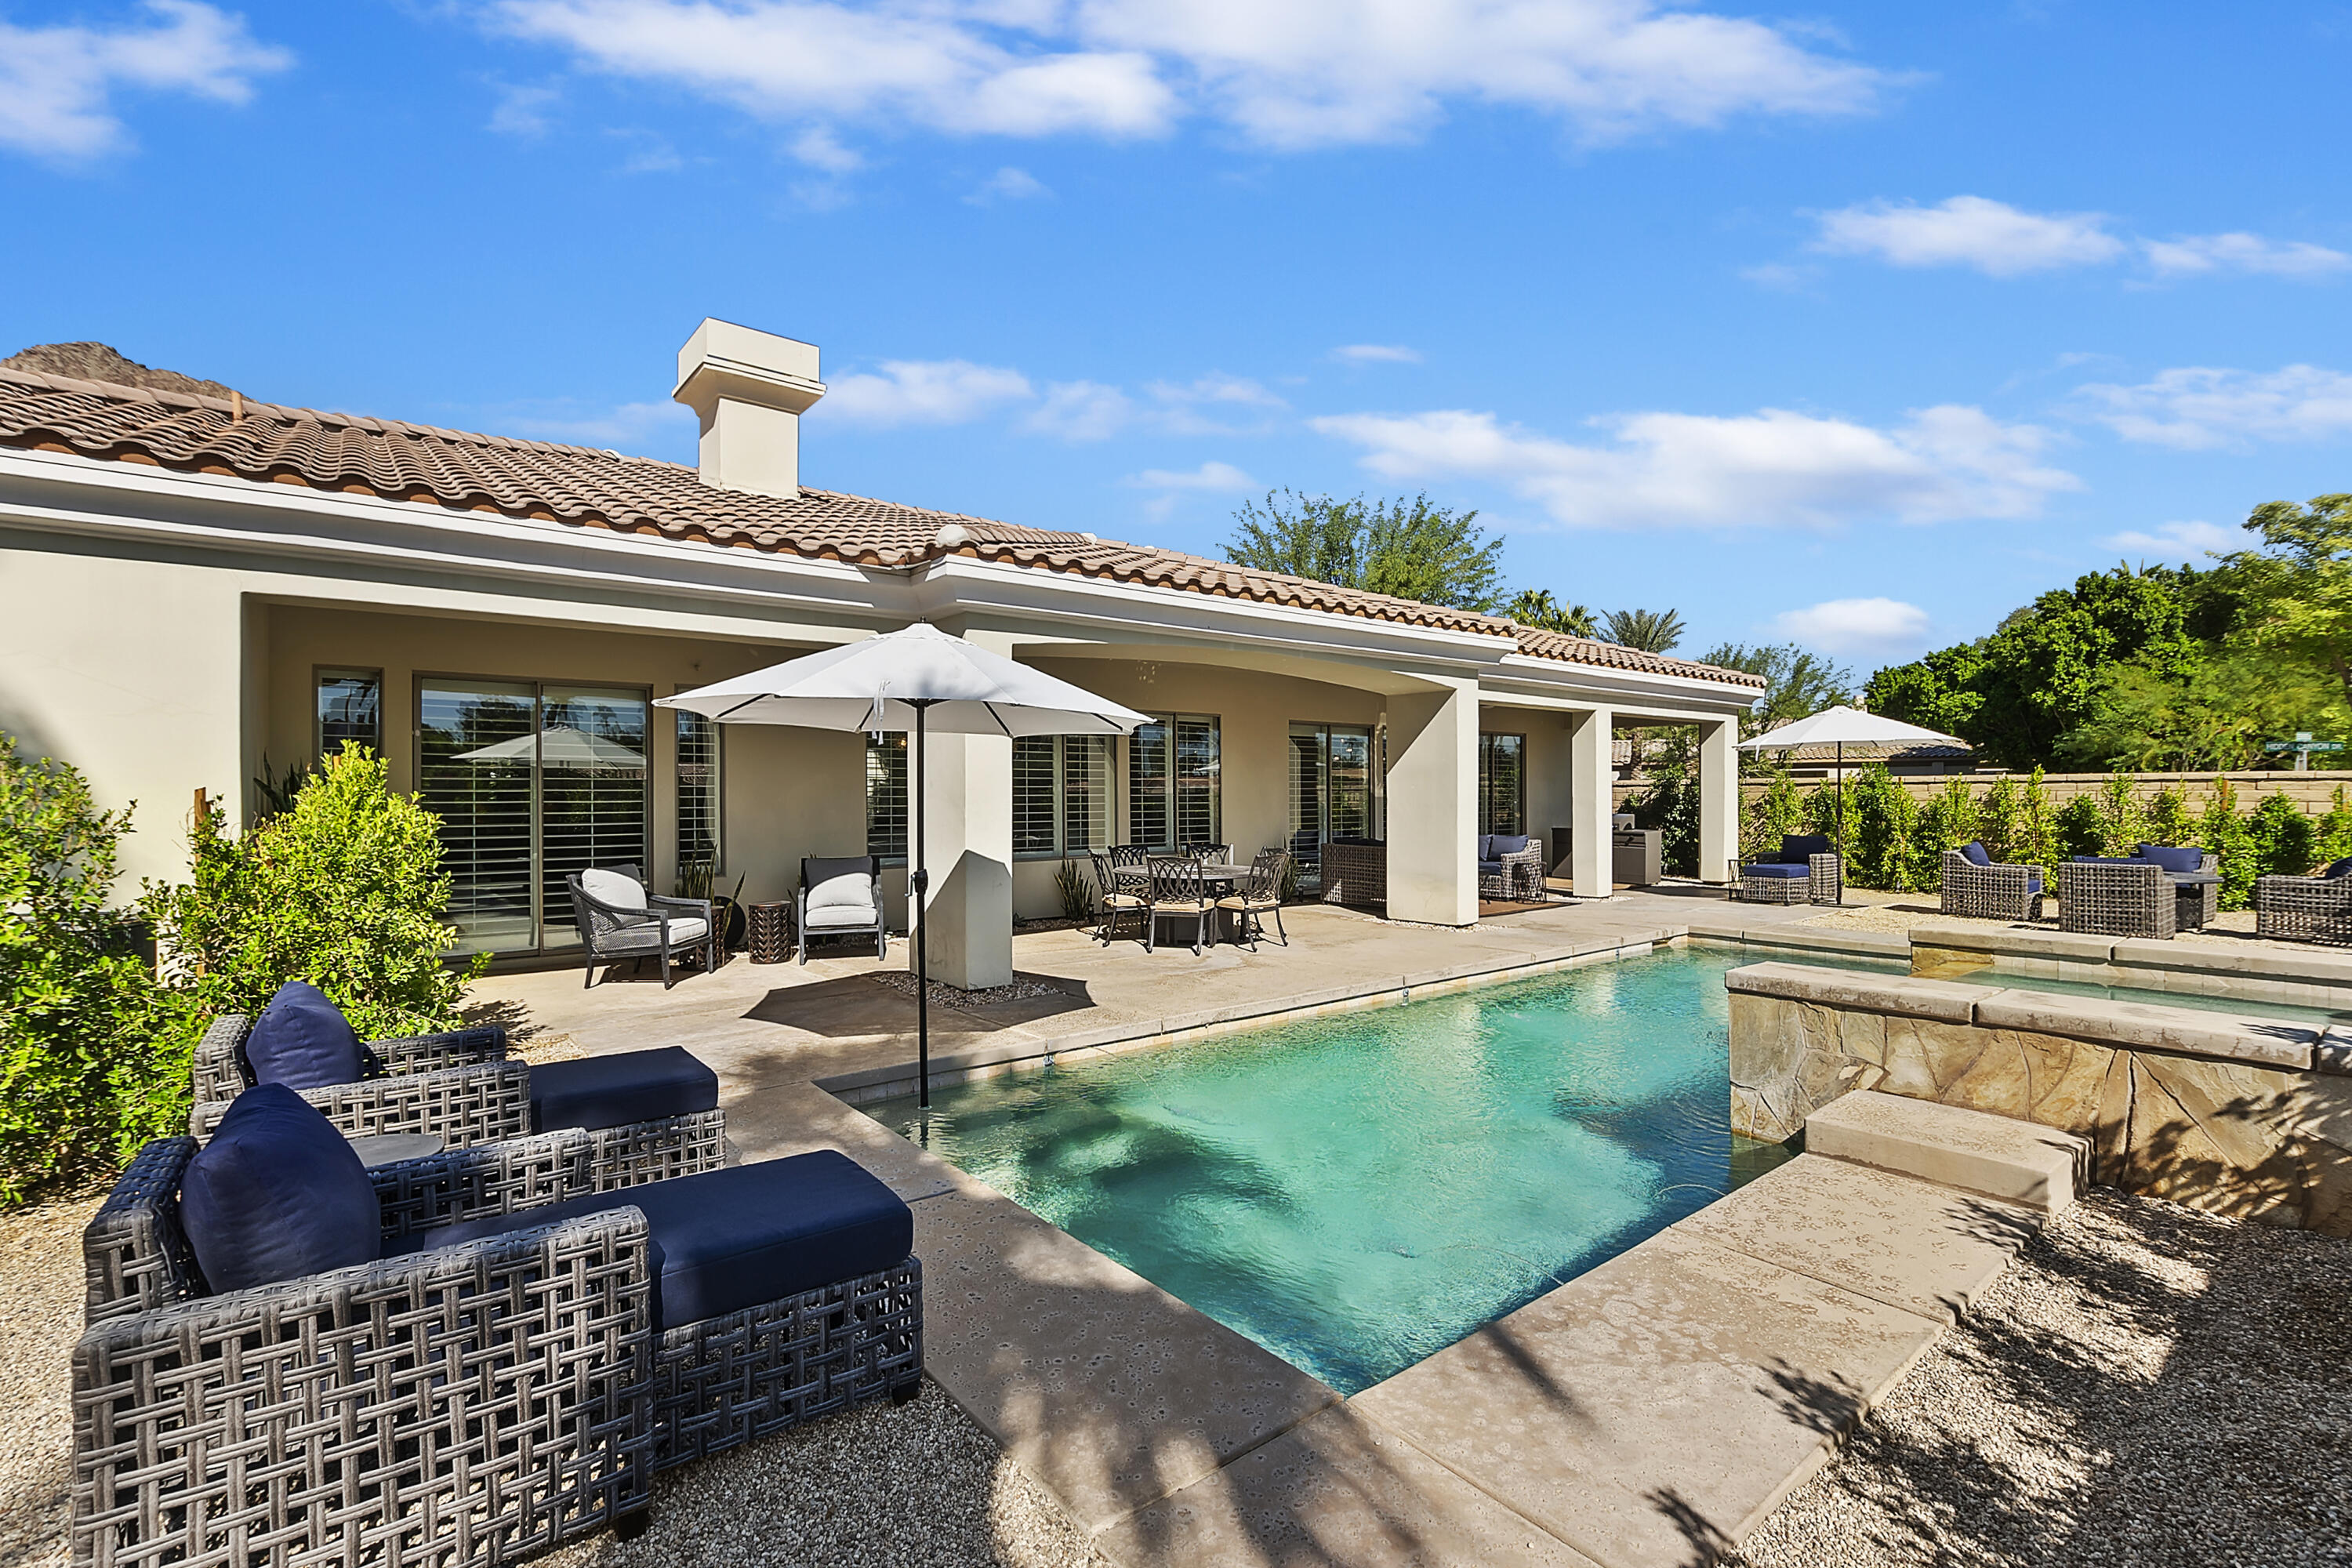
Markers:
point(2148, 1386)
point(40, 1318)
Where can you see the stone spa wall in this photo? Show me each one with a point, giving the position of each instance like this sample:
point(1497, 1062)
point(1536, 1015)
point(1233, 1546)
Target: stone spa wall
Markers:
point(2237, 1114)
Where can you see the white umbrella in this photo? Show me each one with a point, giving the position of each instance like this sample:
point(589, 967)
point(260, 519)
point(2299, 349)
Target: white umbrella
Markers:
point(913, 679)
point(558, 746)
point(1841, 727)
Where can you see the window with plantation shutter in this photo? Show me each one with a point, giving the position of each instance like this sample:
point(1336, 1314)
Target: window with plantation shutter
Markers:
point(1034, 760)
point(697, 790)
point(1086, 794)
point(1502, 784)
point(1147, 757)
point(1175, 772)
point(885, 796)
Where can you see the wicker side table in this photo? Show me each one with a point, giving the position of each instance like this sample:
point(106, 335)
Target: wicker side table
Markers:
point(769, 935)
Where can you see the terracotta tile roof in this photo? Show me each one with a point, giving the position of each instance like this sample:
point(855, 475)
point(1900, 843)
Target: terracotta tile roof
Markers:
point(592, 488)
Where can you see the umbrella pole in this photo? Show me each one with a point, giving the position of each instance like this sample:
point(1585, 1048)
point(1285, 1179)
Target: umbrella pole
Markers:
point(917, 884)
point(1841, 800)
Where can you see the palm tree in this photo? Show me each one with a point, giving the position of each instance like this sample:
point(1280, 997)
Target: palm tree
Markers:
point(1651, 631)
point(1536, 607)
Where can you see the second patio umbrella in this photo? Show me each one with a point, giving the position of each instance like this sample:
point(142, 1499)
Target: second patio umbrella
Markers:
point(1842, 727)
point(916, 681)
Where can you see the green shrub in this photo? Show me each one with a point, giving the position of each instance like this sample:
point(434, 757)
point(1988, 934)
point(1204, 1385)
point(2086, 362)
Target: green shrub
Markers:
point(1771, 817)
point(2079, 829)
point(1881, 830)
point(1076, 890)
point(1998, 818)
point(344, 889)
point(81, 1081)
point(2221, 831)
point(2332, 836)
point(2123, 821)
point(2282, 837)
point(2037, 825)
point(2168, 821)
point(1948, 821)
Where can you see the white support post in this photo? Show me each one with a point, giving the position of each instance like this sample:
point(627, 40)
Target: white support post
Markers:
point(1592, 799)
point(1432, 861)
point(968, 821)
point(1719, 799)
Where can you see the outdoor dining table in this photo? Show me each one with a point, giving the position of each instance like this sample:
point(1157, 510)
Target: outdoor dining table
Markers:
point(1219, 877)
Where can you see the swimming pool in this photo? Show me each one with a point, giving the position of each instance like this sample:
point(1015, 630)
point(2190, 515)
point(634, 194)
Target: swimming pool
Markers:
point(1359, 1190)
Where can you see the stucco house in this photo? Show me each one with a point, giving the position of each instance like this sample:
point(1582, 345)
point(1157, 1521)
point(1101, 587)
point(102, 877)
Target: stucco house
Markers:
point(190, 584)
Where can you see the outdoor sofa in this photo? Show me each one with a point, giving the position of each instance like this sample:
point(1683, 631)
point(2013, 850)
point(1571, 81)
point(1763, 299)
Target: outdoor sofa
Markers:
point(2306, 909)
point(841, 896)
point(617, 920)
point(459, 1360)
point(1977, 886)
point(1510, 865)
point(657, 1108)
point(1807, 869)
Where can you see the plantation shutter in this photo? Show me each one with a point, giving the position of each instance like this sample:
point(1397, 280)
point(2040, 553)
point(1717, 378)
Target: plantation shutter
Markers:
point(698, 789)
point(1196, 780)
point(1033, 795)
point(885, 796)
point(591, 782)
point(1086, 794)
point(1148, 818)
point(485, 807)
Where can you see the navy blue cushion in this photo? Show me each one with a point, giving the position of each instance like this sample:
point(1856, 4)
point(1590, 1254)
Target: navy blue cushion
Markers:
point(725, 1240)
point(1798, 846)
point(303, 1041)
point(614, 1090)
point(2339, 868)
point(1977, 854)
point(2191, 858)
point(1506, 844)
point(1486, 847)
point(1490, 867)
point(1775, 868)
point(278, 1194)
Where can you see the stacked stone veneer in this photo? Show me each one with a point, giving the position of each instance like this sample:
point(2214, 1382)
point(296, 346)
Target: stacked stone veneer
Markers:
point(2237, 1114)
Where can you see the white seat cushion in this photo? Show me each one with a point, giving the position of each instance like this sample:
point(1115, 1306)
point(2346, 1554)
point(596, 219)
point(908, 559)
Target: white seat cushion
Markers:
point(691, 931)
point(851, 917)
point(854, 891)
point(611, 888)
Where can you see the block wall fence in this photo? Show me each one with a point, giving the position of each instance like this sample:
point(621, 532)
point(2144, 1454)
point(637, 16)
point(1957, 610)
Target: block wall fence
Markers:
point(2315, 791)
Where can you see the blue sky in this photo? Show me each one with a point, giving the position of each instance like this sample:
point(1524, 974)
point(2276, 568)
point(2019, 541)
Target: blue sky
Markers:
point(1859, 325)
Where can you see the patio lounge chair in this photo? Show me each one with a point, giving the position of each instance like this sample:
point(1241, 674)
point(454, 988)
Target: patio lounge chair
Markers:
point(655, 1107)
point(1806, 870)
point(2306, 909)
point(1510, 865)
point(1978, 888)
point(1180, 892)
point(1112, 897)
point(617, 919)
point(1259, 895)
point(841, 896)
point(2104, 897)
point(318, 1368)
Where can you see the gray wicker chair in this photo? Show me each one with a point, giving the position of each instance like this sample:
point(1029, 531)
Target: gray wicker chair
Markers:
point(2304, 909)
point(1517, 875)
point(1355, 872)
point(482, 1401)
point(1992, 893)
point(1823, 881)
point(2206, 898)
point(862, 919)
point(611, 931)
point(2117, 898)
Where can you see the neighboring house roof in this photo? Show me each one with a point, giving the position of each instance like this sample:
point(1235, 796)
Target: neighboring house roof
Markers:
point(594, 487)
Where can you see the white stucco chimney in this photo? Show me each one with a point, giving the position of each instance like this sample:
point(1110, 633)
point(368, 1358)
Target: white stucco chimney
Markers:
point(750, 389)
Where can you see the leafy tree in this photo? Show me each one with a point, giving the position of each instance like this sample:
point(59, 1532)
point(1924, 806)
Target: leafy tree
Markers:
point(2299, 589)
point(1652, 631)
point(1408, 548)
point(1536, 607)
point(344, 890)
point(2332, 838)
point(1771, 816)
point(1996, 820)
point(2212, 715)
point(1671, 803)
point(1882, 825)
point(2221, 831)
point(2168, 821)
point(80, 1067)
point(1797, 684)
point(2284, 842)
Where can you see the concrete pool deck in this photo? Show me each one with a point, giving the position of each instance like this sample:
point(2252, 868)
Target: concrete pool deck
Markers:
point(1649, 1412)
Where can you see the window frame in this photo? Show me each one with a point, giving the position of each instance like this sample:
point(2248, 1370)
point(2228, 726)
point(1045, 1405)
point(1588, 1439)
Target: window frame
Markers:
point(718, 789)
point(1485, 781)
point(319, 674)
point(1065, 847)
point(905, 748)
point(1168, 787)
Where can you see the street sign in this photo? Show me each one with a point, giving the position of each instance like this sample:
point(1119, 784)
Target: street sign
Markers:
point(2303, 745)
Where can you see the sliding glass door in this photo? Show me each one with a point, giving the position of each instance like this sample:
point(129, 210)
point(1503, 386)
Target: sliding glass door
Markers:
point(1334, 791)
point(532, 781)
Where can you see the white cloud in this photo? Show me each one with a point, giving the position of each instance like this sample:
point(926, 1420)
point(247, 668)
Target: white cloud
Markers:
point(819, 147)
point(2176, 541)
point(1309, 72)
point(1081, 411)
point(2240, 252)
point(1849, 627)
point(521, 110)
point(1008, 184)
point(57, 84)
point(1375, 354)
point(1769, 468)
point(627, 426)
point(1969, 231)
point(2198, 407)
point(1209, 476)
point(924, 392)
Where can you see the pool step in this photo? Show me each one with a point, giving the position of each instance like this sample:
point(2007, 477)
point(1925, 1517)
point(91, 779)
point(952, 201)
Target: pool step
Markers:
point(1999, 1156)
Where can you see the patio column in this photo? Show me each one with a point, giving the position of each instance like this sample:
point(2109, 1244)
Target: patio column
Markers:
point(968, 844)
point(1719, 799)
point(1433, 865)
point(1592, 798)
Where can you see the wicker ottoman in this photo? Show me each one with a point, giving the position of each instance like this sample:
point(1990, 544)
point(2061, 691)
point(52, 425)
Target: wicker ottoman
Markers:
point(1768, 884)
point(769, 936)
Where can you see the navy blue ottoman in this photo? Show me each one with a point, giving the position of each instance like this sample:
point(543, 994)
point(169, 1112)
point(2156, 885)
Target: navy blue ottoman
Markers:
point(596, 1092)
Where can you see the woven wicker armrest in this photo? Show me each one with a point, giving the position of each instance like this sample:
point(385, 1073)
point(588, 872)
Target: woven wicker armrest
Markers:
point(520, 1173)
point(481, 1103)
point(135, 1258)
point(474, 1403)
point(214, 1072)
point(449, 1048)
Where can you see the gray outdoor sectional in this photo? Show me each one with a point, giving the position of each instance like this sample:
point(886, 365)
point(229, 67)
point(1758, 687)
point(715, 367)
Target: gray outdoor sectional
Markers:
point(1977, 886)
point(462, 1359)
point(2305, 908)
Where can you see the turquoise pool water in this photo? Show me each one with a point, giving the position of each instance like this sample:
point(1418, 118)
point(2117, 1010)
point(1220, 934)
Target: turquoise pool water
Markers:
point(1357, 1192)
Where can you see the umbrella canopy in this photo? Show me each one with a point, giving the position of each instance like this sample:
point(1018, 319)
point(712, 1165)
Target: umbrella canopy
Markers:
point(558, 746)
point(1849, 727)
point(878, 683)
point(917, 679)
